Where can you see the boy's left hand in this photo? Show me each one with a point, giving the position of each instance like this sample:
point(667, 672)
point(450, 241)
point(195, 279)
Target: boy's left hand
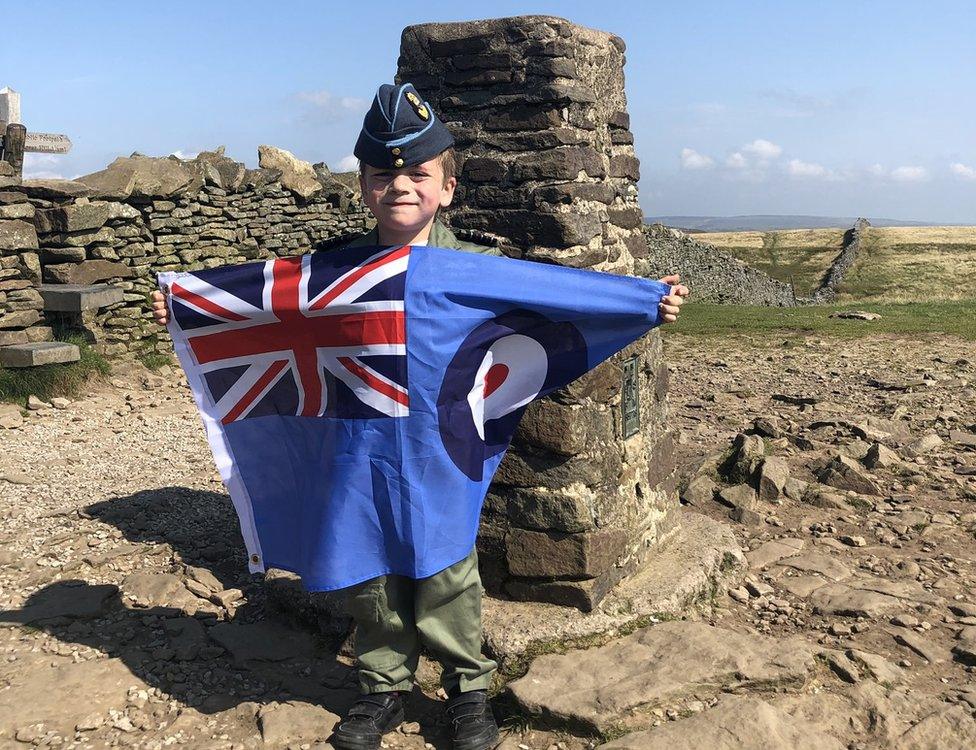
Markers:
point(670, 305)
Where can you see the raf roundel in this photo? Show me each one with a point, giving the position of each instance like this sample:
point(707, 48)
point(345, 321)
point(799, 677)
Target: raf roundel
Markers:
point(501, 366)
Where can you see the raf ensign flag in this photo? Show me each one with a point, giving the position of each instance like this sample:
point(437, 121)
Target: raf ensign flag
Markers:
point(358, 401)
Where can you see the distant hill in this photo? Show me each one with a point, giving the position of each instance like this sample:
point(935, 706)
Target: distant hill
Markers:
point(764, 223)
point(896, 264)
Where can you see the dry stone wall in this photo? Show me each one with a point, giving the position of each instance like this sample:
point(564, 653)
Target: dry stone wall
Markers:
point(712, 275)
point(142, 216)
point(548, 167)
point(21, 316)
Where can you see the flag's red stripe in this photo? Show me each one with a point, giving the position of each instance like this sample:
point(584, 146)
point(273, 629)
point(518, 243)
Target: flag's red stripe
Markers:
point(241, 406)
point(355, 329)
point(357, 275)
point(310, 381)
point(374, 382)
point(204, 304)
point(287, 273)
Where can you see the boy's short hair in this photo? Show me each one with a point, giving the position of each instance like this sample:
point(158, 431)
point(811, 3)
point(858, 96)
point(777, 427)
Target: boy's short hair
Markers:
point(447, 158)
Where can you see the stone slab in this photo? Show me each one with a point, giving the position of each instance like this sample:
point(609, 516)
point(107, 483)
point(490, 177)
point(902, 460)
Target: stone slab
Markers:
point(605, 687)
point(79, 297)
point(39, 353)
point(701, 556)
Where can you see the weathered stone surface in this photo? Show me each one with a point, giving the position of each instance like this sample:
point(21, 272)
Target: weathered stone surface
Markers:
point(19, 319)
point(296, 175)
point(78, 216)
point(87, 273)
point(564, 429)
point(816, 562)
point(881, 457)
point(846, 474)
point(738, 496)
point(774, 472)
point(947, 728)
point(699, 491)
point(748, 453)
point(158, 590)
point(654, 665)
point(56, 190)
point(773, 551)
point(75, 297)
point(262, 641)
point(567, 509)
point(39, 353)
point(220, 170)
point(17, 235)
point(554, 554)
point(736, 723)
point(284, 723)
point(141, 178)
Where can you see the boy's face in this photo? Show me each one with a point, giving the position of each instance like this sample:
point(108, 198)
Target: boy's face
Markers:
point(406, 199)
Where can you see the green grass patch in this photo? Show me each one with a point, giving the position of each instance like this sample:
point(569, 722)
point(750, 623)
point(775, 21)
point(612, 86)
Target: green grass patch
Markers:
point(154, 360)
point(954, 318)
point(49, 381)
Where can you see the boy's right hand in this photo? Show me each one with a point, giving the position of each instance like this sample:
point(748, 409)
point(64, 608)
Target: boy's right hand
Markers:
point(159, 310)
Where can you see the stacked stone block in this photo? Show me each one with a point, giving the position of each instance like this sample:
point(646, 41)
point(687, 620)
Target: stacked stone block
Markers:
point(548, 167)
point(113, 229)
point(21, 318)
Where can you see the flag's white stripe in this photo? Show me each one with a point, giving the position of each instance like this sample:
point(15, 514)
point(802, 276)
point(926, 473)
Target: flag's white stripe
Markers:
point(379, 376)
point(250, 359)
point(237, 391)
point(356, 307)
point(367, 282)
point(268, 286)
point(363, 392)
point(216, 295)
point(364, 350)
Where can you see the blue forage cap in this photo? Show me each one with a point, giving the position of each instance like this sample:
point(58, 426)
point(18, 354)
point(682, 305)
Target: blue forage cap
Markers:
point(400, 130)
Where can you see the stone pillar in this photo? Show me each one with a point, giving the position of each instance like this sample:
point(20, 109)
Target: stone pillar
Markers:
point(547, 166)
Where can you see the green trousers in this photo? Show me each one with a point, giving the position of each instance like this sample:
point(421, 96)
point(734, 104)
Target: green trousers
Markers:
point(396, 616)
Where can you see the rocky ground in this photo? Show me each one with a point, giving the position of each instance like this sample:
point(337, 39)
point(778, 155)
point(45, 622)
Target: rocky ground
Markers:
point(847, 469)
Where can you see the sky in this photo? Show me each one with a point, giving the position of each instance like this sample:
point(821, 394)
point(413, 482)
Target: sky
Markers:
point(828, 108)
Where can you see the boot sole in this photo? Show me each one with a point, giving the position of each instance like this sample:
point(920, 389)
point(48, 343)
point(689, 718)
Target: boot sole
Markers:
point(370, 742)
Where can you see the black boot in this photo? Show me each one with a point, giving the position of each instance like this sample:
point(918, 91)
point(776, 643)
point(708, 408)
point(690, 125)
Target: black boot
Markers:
point(371, 716)
point(473, 726)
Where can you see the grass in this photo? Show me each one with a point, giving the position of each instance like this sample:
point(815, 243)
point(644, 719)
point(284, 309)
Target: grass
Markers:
point(896, 264)
point(48, 381)
point(954, 318)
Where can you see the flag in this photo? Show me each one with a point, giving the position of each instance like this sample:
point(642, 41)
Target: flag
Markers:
point(358, 401)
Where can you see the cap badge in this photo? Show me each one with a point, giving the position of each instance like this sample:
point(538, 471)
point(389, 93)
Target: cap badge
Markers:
point(418, 105)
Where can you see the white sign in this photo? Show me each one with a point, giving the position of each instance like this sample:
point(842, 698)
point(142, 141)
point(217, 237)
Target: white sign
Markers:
point(47, 143)
point(9, 105)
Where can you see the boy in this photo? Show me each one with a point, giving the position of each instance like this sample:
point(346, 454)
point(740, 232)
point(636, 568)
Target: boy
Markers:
point(406, 175)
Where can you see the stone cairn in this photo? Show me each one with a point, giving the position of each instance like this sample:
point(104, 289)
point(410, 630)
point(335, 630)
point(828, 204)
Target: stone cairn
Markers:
point(84, 253)
point(547, 166)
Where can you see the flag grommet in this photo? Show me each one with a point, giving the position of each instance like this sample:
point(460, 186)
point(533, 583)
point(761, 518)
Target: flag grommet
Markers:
point(255, 559)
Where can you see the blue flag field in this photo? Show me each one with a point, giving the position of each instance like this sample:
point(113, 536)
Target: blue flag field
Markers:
point(358, 401)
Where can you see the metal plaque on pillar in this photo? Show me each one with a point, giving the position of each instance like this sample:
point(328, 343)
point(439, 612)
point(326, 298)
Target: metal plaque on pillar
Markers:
point(630, 397)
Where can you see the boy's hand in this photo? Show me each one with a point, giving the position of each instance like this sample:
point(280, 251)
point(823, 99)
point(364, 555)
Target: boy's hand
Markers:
point(670, 305)
point(159, 309)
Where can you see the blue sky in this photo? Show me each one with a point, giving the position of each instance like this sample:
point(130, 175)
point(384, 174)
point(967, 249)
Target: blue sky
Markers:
point(828, 108)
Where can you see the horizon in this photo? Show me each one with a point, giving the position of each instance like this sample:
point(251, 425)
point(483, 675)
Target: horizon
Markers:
point(764, 110)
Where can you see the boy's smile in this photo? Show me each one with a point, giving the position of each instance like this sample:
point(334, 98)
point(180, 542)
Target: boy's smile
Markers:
point(405, 201)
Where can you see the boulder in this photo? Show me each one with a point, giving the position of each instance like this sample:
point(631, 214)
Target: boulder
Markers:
point(773, 475)
point(142, 178)
point(748, 452)
point(847, 474)
point(217, 169)
point(296, 175)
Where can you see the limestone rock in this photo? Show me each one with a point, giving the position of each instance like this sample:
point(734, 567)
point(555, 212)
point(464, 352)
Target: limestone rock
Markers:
point(17, 235)
point(847, 474)
point(262, 641)
point(747, 454)
point(158, 590)
point(738, 496)
point(56, 190)
point(220, 170)
point(87, 272)
point(736, 723)
point(74, 599)
point(10, 417)
point(880, 457)
point(293, 722)
point(773, 475)
point(141, 178)
point(700, 491)
point(924, 444)
point(296, 175)
point(773, 551)
point(652, 666)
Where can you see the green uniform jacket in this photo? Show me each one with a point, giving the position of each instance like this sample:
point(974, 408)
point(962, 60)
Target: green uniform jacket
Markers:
point(440, 236)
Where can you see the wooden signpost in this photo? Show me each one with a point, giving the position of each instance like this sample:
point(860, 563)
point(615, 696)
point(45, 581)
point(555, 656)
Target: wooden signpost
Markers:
point(15, 140)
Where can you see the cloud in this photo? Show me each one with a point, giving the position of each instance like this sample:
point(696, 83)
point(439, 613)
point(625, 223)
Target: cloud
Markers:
point(909, 174)
point(326, 106)
point(962, 170)
point(185, 155)
point(347, 164)
point(877, 170)
point(762, 149)
point(42, 167)
point(736, 161)
point(691, 159)
point(799, 168)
